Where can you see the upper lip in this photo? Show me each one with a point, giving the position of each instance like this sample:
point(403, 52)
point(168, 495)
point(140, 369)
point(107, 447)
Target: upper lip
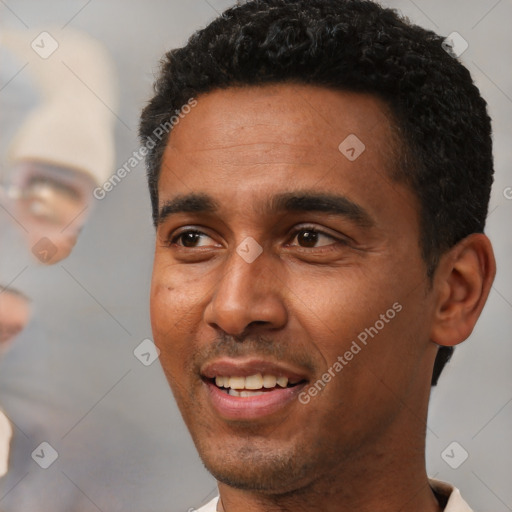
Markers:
point(245, 367)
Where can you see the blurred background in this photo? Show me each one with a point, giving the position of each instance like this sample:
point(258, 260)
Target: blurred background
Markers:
point(75, 266)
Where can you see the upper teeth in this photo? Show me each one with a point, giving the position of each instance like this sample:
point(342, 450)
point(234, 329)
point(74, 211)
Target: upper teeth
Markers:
point(256, 381)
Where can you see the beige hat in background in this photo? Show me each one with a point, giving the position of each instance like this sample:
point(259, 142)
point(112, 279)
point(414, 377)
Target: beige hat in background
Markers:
point(5, 439)
point(74, 124)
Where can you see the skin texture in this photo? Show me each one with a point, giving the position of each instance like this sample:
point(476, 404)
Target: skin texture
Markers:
point(360, 442)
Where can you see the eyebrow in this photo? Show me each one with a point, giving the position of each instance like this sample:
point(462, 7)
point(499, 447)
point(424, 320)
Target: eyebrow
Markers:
point(297, 201)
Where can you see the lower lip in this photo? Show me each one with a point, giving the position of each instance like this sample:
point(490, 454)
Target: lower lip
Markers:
point(251, 407)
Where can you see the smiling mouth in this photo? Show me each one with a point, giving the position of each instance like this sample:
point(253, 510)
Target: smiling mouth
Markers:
point(252, 385)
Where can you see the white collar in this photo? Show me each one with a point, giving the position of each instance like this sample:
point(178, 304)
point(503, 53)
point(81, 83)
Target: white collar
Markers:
point(456, 502)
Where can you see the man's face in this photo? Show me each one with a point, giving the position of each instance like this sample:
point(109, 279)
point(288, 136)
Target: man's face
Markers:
point(259, 283)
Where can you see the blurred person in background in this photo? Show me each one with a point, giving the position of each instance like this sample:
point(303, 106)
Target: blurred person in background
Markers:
point(60, 152)
point(64, 148)
point(5, 439)
point(14, 316)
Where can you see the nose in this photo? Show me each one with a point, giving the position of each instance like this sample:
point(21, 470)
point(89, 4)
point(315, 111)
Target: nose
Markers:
point(247, 294)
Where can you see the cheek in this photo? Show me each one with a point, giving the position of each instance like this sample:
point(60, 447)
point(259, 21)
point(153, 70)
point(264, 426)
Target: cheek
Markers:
point(361, 318)
point(334, 308)
point(173, 313)
point(175, 299)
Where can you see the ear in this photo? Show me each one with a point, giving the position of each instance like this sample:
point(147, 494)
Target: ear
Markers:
point(463, 280)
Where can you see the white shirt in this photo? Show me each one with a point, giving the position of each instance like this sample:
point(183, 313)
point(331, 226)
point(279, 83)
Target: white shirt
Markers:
point(5, 439)
point(455, 501)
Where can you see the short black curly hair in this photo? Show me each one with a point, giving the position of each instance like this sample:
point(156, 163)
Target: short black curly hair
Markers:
point(359, 46)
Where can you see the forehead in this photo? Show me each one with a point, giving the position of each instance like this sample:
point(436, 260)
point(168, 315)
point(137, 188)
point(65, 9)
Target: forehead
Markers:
point(288, 113)
point(265, 139)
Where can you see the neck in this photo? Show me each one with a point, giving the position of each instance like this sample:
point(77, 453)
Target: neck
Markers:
point(363, 491)
point(389, 476)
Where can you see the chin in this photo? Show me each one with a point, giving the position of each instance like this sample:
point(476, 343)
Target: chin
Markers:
point(253, 465)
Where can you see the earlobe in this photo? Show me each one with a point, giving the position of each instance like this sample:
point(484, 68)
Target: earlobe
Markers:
point(463, 280)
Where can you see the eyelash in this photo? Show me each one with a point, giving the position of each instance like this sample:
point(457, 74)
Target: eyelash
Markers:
point(329, 247)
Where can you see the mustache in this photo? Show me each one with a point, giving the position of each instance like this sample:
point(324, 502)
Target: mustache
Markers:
point(225, 345)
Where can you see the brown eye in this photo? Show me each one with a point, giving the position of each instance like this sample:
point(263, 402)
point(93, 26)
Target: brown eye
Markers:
point(189, 238)
point(309, 237)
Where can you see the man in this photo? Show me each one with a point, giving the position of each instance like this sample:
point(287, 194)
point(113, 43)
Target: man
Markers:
point(319, 201)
